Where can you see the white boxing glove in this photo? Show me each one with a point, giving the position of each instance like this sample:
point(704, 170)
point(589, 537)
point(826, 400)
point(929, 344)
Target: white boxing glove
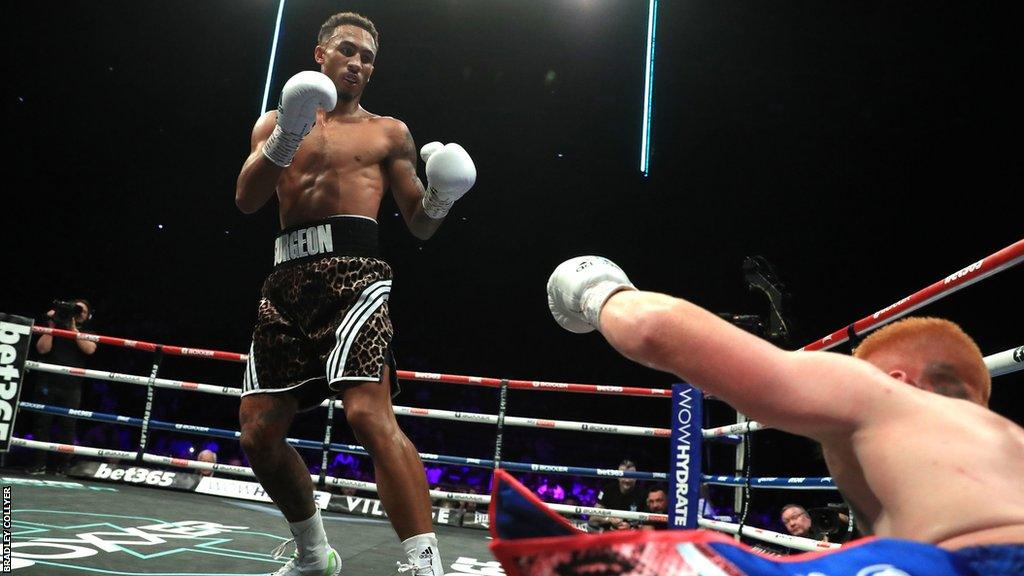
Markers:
point(296, 114)
point(428, 150)
point(579, 288)
point(450, 174)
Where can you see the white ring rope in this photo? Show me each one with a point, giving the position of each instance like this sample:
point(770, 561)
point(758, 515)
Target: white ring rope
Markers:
point(132, 379)
point(531, 422)
point(1005, 362)
point(731, 429)
point(763, 535)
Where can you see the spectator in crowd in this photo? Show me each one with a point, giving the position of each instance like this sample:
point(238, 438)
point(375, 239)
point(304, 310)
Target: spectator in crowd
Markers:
point(208, 456)
point(470, 507)
point(621, 494)
point(798, 522)
point(657, 503)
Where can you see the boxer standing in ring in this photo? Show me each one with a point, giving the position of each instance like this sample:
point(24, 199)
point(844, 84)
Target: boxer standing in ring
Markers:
point(323, 327)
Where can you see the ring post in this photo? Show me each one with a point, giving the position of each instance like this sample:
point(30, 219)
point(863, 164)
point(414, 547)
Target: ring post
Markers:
point(685, 457)
point(740, 493)
point(322, 481)
point(502, 406)
point(158, 357)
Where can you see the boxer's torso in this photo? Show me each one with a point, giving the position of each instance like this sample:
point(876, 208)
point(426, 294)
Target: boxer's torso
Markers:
point(947, 474)
point(340, 168)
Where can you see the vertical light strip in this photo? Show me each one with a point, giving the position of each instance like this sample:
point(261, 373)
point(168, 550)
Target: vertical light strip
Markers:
point(273, 55)
point(645, 136)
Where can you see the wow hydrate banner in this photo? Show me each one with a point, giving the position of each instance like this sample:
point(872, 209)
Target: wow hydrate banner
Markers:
point(684, 469)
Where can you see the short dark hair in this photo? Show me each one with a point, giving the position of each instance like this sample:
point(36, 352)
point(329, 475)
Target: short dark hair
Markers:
point(791, 505)
point(343, 18)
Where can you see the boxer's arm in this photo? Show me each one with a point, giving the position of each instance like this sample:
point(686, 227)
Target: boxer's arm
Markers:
point(815, 394)
point(406, 185)
point(257, 181)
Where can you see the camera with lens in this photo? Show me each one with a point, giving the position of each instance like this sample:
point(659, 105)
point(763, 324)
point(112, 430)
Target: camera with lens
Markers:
point(832, 520)
point(65, 311)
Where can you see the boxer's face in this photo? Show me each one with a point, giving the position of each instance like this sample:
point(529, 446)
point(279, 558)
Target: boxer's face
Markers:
point(347, 58)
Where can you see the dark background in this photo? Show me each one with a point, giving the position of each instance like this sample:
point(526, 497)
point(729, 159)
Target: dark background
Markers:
point(867, 149)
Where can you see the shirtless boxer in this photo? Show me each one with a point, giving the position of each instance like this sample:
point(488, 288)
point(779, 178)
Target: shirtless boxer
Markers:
point(913, 465)
point(323, 327)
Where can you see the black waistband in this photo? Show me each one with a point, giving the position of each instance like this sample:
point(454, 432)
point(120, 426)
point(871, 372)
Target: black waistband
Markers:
point(334, 236)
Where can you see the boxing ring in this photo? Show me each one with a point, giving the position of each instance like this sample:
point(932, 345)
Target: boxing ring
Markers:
point(134, 512)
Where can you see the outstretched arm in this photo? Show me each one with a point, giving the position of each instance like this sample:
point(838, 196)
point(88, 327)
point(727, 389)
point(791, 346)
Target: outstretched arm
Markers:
point(815, 394)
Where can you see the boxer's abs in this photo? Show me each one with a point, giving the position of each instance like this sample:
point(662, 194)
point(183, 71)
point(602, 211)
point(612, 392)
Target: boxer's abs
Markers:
point(316, 198)
point(337, 170)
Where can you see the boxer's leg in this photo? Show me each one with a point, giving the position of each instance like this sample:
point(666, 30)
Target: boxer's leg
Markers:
point(401, 481)
point(355, 352)
point(265, 419)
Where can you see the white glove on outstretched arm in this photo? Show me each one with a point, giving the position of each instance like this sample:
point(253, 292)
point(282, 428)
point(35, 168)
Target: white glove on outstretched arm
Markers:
point(450, 174)
point(296, 114)
point(579, 288)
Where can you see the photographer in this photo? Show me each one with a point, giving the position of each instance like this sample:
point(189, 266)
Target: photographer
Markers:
point(827, 524)
point(57, 389)
point(798, 523)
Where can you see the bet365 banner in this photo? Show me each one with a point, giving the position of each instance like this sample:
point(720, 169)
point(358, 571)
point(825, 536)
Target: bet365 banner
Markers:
point(685, 467)
point(15, 335)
